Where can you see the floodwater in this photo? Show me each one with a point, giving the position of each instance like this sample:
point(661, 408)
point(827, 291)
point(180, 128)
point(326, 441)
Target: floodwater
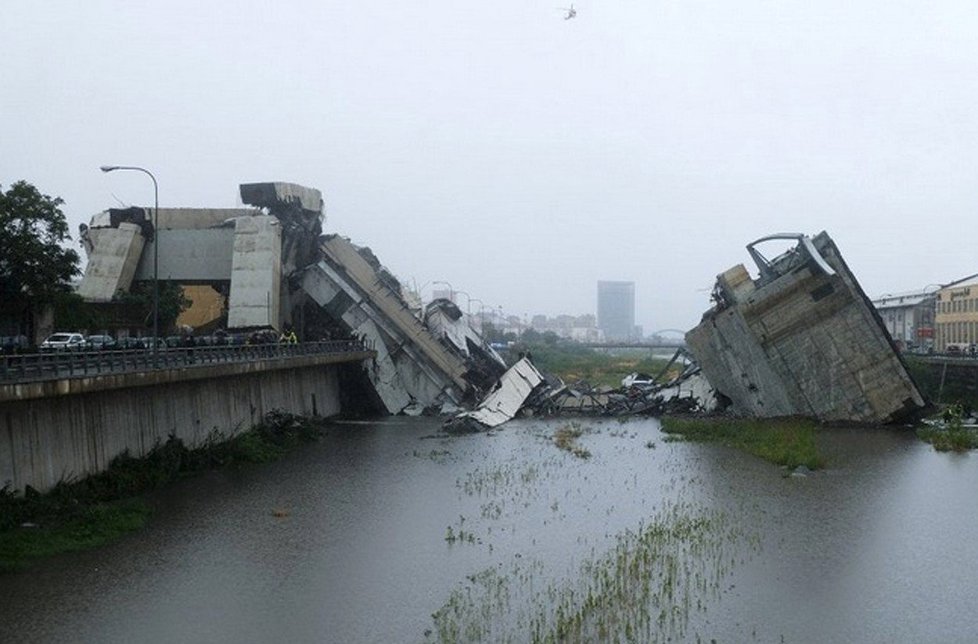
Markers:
point(393, 532)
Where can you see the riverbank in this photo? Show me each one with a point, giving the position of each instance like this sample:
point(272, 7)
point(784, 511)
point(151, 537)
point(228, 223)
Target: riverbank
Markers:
point(78, 515)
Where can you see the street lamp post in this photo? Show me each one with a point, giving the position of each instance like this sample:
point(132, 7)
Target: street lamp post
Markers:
point(468, 301)
point(481, 305)
point(156, 247)
point(451, 291)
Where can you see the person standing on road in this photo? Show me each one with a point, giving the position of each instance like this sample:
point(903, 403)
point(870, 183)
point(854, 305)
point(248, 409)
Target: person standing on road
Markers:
point(288, 336)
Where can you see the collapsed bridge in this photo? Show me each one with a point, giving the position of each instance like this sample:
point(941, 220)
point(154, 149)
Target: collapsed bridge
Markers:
point(802, 339)
point(270, 266)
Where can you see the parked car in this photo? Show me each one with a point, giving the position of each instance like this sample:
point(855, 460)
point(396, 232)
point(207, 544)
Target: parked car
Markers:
point(145, 343)
point(180, 341)
point(64, 342)
point(636, 379)
point(956, 348)
point(11, 344)
point(130, 344)
point(264, 336)
point(100, 343)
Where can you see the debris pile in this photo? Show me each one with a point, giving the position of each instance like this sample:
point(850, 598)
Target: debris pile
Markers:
point(505, 400)
point(525, 391)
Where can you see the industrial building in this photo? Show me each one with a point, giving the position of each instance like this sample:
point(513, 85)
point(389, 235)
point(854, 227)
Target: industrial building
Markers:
point(909, 319)
point(956, 316)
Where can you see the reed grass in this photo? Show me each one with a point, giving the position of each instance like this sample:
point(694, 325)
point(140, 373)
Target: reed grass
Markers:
point(782, 441)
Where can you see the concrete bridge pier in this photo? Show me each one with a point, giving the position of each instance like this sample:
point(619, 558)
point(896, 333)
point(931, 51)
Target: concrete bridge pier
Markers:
point(62, 430)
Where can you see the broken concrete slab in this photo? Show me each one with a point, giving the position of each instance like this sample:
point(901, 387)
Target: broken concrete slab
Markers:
point(412, 366)
point(275, 195)
point(454, 328)
point(802, 339)
point(256, 273)
point(114, 256)
point(503, 403)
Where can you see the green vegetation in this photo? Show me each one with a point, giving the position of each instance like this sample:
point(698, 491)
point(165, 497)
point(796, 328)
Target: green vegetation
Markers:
point(956, 390)
point(644, 589)
point(102, 507)
point(172, 302)
point(573, 362)
point(783, 441)
point(36, 266)
point(952, 437)
point(460, 534)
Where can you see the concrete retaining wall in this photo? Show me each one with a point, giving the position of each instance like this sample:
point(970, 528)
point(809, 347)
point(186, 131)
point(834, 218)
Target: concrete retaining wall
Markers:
point(46, 440)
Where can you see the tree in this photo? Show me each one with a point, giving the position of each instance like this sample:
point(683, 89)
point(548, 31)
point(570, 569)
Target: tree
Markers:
point(34, 265)
point(172, 302)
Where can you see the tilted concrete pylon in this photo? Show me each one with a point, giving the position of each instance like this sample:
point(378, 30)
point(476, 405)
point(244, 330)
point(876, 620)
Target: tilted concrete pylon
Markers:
point(802, 339)
point(411, 365)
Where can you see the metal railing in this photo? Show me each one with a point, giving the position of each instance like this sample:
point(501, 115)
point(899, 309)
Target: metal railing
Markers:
point(35, 367)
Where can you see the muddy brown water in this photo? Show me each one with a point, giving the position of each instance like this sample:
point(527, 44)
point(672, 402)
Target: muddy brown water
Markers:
point(385, 523)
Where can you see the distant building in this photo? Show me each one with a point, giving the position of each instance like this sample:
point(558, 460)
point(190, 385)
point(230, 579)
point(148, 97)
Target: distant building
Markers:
point(956, 318)
point(616, 309)
point(909, 318)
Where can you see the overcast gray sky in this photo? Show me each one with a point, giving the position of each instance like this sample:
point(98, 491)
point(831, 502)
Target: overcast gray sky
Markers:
point(516, 155)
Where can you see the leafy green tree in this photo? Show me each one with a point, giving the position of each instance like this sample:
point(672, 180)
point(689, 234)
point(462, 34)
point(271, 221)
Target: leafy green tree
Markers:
point(172, 302)
point(35, 267)
point(72, 312)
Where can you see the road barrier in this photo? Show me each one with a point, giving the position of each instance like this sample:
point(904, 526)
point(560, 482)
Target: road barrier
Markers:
point(35, 367)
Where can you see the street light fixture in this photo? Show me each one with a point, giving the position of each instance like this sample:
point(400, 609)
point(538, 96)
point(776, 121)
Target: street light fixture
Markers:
point(451, 290)
point(156, 247)
point(468, 300)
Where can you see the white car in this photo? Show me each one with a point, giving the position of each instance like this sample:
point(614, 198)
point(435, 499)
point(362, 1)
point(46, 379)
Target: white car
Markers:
point(637, 380)
point(64, 342)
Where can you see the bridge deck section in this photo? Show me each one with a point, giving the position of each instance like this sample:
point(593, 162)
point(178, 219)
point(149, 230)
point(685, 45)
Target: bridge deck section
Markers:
point(26, 377)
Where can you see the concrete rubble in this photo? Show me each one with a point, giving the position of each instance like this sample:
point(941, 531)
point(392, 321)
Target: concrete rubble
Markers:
point(276, 269)
point(503, 402)
point(801, 339)
point(521, 392)
point(456, 331)
point(412, 366)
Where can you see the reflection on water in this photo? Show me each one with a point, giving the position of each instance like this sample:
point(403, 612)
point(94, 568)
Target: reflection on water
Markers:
point(504, 535)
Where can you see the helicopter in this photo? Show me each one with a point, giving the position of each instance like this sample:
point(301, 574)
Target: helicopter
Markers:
point(571, 12)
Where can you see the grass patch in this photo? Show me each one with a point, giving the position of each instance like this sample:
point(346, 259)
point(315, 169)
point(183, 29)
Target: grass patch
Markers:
point(566, 439)
point(90, 512)
point(952, 437)
point(783, 441)
point(949, 440)
point(87, 528)
point(646, 588)
point(573, 362)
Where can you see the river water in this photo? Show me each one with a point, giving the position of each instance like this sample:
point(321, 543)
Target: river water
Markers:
point(365, 535)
